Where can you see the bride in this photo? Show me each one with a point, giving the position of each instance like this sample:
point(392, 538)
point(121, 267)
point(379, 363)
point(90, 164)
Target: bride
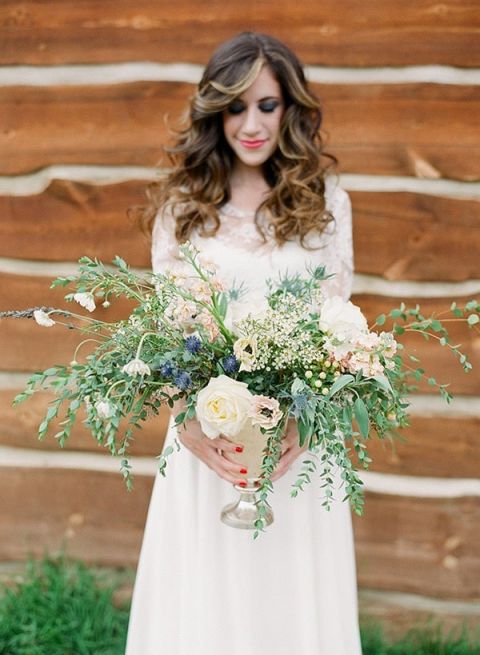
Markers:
point(251, 187)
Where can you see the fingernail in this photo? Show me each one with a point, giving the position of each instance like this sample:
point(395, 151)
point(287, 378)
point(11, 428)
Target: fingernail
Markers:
point(239, 449)
point(242, 483)
point(243, 471)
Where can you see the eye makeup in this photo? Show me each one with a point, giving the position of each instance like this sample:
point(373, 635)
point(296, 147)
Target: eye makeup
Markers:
point(266, 106)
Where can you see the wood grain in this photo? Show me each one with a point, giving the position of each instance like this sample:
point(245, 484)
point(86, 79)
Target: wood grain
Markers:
point(25, 346)
point(425, 546)
point(381, 129)
point(400, 236)
point(89, 514)
point(432, 446)
point(405, 544)
point(386, 33)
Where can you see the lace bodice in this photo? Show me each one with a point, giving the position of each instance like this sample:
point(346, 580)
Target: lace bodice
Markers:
point(241, 256)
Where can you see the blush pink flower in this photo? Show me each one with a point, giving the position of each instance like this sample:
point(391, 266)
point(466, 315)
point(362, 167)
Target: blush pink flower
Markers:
point(265, 412)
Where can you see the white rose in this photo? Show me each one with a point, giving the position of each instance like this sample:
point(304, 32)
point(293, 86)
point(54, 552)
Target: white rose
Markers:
point(223, 406)
point(342, 319)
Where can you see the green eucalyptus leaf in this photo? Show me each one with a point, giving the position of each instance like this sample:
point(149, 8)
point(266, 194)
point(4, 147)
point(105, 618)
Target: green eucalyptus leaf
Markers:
point(340, 383)
point(361, 415)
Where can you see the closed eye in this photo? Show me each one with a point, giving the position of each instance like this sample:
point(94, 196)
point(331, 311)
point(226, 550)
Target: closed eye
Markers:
point(268, 107)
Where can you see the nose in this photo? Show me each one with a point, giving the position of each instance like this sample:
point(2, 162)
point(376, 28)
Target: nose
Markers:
point(251, 125)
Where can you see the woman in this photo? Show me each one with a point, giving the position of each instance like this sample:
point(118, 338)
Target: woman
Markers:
point(250, 188)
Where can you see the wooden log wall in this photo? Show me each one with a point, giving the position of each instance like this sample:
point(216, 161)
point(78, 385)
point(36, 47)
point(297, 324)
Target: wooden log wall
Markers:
point(84, 88)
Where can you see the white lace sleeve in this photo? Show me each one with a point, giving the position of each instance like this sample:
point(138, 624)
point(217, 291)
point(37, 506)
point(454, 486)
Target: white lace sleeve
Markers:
point(341, 245)
point(165, 253)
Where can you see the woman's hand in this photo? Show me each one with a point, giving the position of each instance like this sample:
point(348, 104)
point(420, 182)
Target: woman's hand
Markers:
point(290, 450)
point(191, 436)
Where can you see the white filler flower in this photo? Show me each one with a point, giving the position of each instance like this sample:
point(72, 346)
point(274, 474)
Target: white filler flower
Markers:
point(343, 320)
point(223, 406)
point(43, 318)
point(104, 409)
point(85, 300)
point(136, 367)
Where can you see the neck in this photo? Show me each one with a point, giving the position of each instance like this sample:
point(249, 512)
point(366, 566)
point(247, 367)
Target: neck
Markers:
point(247, 176)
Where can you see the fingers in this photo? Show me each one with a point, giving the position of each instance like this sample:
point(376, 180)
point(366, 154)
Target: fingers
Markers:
point(226, 445)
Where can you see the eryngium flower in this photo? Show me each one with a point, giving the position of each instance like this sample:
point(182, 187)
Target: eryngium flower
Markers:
point(183, 380)
point(193, 344)
point(167, 369)
point(230, 364)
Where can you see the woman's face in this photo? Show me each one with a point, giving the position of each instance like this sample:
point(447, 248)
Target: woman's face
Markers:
point(251, 123)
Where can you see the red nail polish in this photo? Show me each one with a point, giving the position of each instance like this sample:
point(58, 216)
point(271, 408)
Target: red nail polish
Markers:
point(243, 471)
point(239, 449)
point(242, 483)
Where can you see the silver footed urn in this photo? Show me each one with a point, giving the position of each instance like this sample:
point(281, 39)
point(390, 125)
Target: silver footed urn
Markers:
point(243, 512)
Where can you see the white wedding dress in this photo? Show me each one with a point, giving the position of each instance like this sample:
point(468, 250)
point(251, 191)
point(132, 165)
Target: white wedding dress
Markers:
point(204, 588)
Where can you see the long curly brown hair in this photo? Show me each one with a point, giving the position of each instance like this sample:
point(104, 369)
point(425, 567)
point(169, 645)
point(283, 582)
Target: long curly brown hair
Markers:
point(197, 183)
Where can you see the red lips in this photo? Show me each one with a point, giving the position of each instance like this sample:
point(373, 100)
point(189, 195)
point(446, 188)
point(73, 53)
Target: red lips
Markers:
point(253, 144)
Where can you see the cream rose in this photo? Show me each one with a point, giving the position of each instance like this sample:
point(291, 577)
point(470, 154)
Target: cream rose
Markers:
point(341, 319)
point(223, 406)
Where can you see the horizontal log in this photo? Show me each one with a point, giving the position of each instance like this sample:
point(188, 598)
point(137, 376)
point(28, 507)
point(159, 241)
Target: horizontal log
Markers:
point(404, 544)
point(425, 546)
point(381, 34)
point(431, 446)
point(89, 514)
point(25, 346)
point(373, 128)
point(400, 236)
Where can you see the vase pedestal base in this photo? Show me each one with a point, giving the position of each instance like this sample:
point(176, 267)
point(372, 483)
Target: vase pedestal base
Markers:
point(244, 512)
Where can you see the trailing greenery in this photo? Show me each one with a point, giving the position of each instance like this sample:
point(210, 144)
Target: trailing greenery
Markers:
point(60, 608)
point(63, 608)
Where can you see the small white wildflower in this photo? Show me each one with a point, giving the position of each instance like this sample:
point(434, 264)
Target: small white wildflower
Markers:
point(43, 318)
point(85, 300)
point(104, 409)
point(318, 383)
point(136, 367)
point(106, 304)
point(308, 374)
point(322, 375)
point(325, 391)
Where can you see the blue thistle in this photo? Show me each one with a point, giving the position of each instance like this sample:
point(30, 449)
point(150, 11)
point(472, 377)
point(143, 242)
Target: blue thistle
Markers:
point(183, 380)
point(230, 364)
point(166, 369)
point(301, 401)
point(193, 344)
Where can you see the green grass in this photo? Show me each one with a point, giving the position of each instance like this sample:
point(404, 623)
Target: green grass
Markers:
point(423, 640)
point(60, 609)
point(63, 608)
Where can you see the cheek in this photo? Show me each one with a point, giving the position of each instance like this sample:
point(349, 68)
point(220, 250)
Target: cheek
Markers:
point(230, 126)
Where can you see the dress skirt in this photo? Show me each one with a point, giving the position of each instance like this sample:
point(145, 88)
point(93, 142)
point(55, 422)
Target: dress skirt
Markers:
point(204, 588)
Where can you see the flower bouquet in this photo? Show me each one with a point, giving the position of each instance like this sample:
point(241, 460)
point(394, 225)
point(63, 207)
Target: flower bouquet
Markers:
point(304, 357)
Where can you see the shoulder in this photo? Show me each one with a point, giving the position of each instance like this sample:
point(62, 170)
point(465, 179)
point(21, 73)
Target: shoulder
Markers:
point(336, 198)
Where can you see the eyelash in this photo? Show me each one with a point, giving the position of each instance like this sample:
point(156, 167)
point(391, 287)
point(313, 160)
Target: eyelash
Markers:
point(266, 109)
